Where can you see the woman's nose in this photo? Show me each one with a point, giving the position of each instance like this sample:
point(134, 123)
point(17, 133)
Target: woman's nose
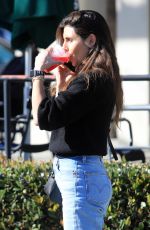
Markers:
point(65, 47)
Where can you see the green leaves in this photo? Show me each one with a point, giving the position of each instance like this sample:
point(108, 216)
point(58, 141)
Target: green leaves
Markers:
point(130, 204)
point(23, 203)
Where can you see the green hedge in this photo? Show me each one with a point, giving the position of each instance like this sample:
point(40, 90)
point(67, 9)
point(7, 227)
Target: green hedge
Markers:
point(130, 205)
point(24, 206)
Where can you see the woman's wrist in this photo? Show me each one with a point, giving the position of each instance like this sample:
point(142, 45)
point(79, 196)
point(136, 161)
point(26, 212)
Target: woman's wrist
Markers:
point(37, 75)
point(36, 72)
point(38, 78)
point(59, 87)
point(57, 90)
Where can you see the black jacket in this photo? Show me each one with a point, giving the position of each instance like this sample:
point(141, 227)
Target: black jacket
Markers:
point(79, 117)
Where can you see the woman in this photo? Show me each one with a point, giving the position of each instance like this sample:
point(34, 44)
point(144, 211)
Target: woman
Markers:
point(79, 116)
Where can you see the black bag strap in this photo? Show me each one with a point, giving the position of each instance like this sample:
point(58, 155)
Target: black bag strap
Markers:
point(112, 148)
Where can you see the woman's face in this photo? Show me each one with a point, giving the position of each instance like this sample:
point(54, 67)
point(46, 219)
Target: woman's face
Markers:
point(75, 45)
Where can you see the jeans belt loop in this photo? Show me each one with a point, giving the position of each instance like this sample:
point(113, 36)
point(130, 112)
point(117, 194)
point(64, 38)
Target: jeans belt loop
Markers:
point(84, 159)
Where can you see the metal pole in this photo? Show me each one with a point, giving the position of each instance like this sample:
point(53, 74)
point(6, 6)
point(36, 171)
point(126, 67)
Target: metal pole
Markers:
point(28, 66)
point(27, 87)
point(7, 116)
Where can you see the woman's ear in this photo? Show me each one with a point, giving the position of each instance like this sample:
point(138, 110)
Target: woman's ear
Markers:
point(90, 41)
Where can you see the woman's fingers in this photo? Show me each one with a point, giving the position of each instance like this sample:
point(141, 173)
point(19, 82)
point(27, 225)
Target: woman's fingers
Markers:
point(44, 60)
point(40, 59)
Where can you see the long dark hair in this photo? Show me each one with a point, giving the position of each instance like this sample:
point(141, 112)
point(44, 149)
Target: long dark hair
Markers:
point(102, 57)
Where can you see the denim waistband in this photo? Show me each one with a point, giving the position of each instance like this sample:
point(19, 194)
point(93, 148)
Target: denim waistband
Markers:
point(82, 158)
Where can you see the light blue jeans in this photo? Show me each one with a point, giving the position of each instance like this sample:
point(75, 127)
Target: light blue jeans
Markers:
point(86, 191)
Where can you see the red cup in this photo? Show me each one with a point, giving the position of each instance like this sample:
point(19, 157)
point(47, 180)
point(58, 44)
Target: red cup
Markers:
point(58, 54)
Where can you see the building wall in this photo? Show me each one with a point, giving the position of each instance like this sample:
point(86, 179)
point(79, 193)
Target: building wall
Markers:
point(132, 48)
point(98, 5)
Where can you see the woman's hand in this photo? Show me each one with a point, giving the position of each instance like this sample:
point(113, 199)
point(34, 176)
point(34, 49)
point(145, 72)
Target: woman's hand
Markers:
point(44, 60)
point(63, 76)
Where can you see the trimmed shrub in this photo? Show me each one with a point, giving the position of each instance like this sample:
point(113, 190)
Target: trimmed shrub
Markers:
point(24, 205)
point(130, 205)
